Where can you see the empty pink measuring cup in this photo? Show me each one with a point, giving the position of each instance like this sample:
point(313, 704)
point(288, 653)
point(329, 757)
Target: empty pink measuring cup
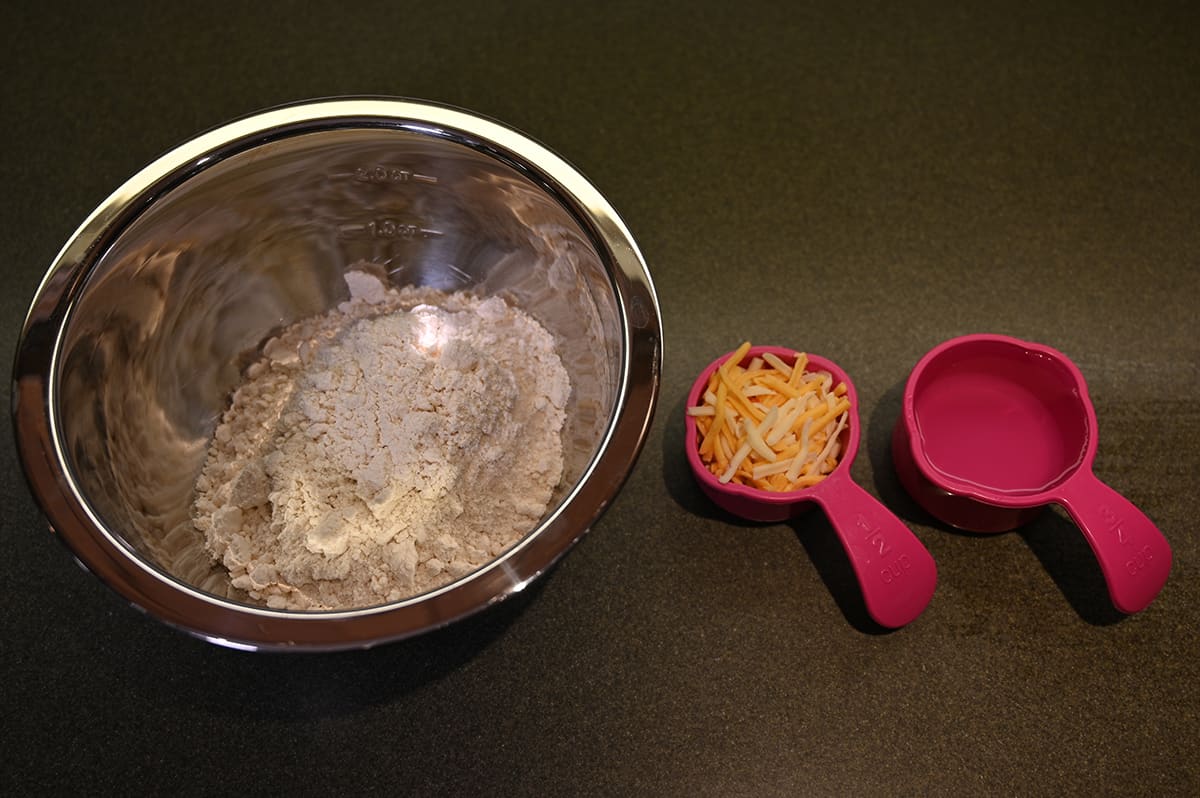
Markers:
point(896, 573)
point(994, 429)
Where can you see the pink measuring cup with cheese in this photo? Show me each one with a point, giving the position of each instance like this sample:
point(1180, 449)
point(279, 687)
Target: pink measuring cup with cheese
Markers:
point(993, 429)
point(895, 571)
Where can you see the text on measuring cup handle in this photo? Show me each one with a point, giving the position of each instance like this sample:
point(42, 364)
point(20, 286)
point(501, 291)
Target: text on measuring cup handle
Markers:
point(877, 544)
point(1113, 523)
point(1140, 559)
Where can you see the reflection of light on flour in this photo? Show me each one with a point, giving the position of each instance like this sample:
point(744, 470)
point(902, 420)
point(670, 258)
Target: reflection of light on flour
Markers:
point(432, 331)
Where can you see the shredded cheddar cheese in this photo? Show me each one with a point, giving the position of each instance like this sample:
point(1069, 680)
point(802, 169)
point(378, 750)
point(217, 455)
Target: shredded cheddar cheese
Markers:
point(768, 424)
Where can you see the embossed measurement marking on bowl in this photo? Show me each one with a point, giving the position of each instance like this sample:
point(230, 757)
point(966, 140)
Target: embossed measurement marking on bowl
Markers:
point(994, 426)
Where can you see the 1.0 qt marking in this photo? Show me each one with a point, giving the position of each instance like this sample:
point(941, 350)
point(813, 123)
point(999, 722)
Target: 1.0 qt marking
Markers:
point(388, 229)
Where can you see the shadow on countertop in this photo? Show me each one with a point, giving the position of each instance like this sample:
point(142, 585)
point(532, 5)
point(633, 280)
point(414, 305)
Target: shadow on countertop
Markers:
point(299, 686)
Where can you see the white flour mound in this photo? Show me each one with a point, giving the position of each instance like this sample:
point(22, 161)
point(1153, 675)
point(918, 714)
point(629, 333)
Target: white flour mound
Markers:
point(383, 449)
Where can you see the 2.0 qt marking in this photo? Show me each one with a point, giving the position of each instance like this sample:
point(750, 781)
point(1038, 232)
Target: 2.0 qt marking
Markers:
point(382, 173)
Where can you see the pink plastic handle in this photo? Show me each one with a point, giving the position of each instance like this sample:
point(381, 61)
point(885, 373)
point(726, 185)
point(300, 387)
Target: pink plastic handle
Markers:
point(897, 574)
point(1134, 556)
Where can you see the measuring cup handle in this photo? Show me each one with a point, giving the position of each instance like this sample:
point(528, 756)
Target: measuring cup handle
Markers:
point(1134, 556)
point(896, 572)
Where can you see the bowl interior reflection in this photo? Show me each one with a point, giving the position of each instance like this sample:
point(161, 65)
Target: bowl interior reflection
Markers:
point(180, 301)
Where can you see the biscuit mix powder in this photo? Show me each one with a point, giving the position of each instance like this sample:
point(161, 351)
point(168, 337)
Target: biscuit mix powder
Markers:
point(383, 449)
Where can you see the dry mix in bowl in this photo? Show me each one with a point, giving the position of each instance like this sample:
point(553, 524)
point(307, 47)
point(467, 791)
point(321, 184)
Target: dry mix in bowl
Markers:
point(383, 449)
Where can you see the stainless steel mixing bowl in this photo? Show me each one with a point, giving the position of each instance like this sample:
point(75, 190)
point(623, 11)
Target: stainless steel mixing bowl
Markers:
point(142, 325)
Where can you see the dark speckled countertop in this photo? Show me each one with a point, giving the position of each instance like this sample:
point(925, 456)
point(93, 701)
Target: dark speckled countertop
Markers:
point(859, 182)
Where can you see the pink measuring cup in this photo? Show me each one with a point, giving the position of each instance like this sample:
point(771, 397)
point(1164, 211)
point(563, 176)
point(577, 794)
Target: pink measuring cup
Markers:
point(896, 573)
point(994, 429)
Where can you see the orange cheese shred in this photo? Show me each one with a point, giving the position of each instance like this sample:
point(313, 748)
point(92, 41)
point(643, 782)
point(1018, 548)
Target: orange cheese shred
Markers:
point(770, 424)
